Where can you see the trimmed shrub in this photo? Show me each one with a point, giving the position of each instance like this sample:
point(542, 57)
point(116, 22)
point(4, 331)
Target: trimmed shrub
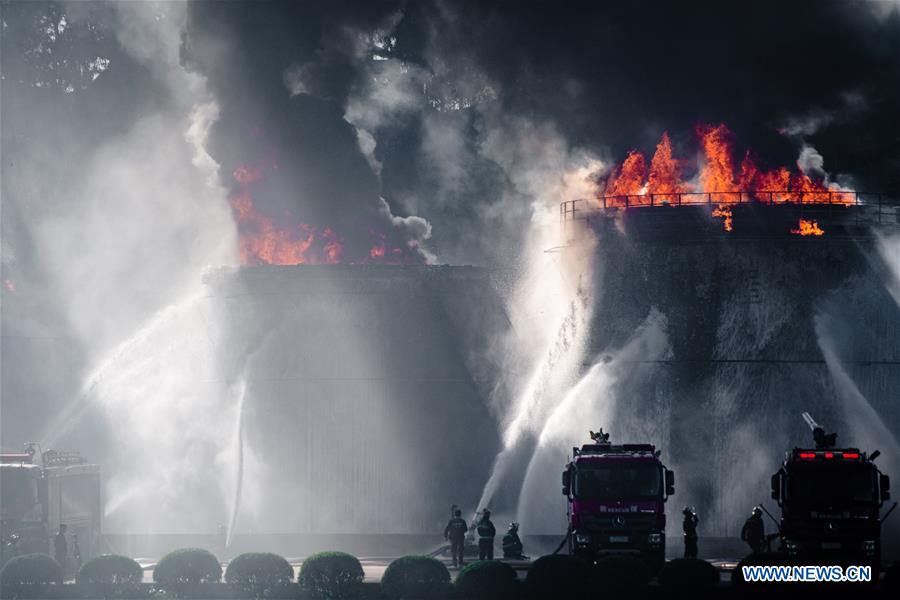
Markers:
point(31, 569)
point(187, 565)
point(621, 573)
point(331, 575)
point(259, 569)
point(487, 580)
point(688, 573)
point(558, 576)
point(110, 569)
point(415, 577)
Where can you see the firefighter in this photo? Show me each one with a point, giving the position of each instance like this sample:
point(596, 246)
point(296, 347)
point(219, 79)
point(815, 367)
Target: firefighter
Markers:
point(456, 532)
point(754, 531)
point(76, 552)
point(486, 534)
point(689, 526)
point(60, 547)
point(512, 545)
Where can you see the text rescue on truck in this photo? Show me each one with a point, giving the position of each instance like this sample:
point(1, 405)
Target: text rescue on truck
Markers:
point(616, 500)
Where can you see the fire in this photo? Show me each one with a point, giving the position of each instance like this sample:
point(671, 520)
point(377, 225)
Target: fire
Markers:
point(665, 172)
point(808, 228)
point(725, 213)
point(380, 253)
point(333, 248)
point(717, 174)
point(262, 241)
point(628, 179)
point(718, 180)
point(265, 241)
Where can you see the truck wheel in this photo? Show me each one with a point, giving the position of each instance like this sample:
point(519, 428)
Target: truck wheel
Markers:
point(655, 562)
point(587, 557)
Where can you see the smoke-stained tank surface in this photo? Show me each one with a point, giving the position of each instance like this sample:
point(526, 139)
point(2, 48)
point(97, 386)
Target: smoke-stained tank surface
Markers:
point(762, 324)
point(366, 401)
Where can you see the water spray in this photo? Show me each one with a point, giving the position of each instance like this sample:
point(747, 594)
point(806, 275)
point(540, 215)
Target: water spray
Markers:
point(239, 463)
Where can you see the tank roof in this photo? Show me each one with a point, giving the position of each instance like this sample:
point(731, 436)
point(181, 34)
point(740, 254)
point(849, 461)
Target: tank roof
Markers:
point(615, 450)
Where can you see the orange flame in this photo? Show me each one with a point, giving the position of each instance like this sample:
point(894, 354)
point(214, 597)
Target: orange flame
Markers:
point(725, 213)
point(380, 252)
point(263, 242)
point(717, 174)
point(808, 228)
point(628, 179)
point(665, 172)
point(717, 177)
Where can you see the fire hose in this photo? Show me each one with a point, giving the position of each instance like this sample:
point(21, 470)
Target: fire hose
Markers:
point(890, 510)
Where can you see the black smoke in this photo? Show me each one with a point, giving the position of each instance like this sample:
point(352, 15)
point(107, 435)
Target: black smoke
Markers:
point(607, 76)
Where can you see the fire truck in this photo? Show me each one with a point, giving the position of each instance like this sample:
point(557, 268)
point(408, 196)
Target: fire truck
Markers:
point(830, 500)
point(41, 490)
point(616, 500)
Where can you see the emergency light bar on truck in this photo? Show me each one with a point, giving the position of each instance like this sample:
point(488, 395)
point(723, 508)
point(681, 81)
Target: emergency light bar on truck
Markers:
point(848, 454)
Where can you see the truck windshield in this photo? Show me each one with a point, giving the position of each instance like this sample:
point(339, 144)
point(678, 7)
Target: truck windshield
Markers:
point(833, 485)
point(18, 491)
point(595, 482)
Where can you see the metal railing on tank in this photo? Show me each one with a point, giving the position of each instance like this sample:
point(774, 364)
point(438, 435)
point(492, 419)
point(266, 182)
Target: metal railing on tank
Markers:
point(860, 208)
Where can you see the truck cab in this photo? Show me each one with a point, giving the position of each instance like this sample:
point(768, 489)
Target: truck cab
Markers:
point(616, 500)
point(40, 492)
point(830, 500)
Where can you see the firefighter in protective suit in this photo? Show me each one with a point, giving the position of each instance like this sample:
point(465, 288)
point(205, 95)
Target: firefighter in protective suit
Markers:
point(689, 526)
point(456, 532)
point(512, 545)
point(754, 531)
point(486, 534)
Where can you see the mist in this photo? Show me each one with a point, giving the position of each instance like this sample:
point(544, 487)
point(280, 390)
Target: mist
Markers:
point(432, 337)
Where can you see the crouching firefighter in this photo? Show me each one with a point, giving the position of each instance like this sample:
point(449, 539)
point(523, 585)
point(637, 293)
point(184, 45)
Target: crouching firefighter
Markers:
point(512, 545)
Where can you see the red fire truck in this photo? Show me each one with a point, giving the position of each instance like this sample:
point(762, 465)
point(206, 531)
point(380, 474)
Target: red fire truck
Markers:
point(42, 490)
point(830, 500)
point(616, 500)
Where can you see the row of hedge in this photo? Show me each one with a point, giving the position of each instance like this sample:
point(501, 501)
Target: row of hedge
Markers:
point(337, 575)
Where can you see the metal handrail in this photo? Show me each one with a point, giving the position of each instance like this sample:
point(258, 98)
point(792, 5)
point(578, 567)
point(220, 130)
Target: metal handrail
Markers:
point(877, 203)
point(843, 198)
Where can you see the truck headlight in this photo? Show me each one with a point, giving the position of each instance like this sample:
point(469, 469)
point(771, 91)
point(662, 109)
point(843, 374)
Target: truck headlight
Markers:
point(582, 539)
point(654, 539)
point(869, 546)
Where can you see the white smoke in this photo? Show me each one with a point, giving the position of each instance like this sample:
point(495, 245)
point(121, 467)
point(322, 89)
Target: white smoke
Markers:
point(145, 216)
point(167, 405)
point(817, 119)
point(550, 306)
point(889, 249)
point(864, 422)
point(125, 229)
point(589, 404)
point(550, 310)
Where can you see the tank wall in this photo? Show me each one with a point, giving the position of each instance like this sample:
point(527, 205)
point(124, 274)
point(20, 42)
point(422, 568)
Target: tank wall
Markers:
point(758, 331)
